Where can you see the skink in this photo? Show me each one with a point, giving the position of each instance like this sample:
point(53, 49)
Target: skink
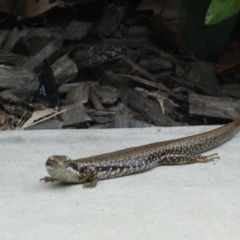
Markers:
point(138, 159)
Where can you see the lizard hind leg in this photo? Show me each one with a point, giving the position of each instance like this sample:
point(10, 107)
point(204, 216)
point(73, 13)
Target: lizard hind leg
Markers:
point(174, 159)
point(208, 158)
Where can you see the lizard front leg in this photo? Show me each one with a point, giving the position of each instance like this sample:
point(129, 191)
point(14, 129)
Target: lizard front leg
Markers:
point(48, 179)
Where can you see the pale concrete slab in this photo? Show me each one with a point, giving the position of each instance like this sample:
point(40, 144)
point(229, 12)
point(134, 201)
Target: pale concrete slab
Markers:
point(198, 201)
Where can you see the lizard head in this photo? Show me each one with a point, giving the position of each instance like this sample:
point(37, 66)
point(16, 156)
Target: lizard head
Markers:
point(62, 168)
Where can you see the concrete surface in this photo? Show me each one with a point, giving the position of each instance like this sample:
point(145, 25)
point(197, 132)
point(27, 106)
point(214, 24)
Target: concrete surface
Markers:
point(197, 201)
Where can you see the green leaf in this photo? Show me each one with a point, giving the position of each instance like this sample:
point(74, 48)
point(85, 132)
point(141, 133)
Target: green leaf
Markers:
point(220, 10)
point(203, 39)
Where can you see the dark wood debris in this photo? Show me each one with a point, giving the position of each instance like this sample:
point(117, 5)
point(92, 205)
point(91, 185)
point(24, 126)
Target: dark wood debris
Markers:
point(224, 108)
point(105, 76)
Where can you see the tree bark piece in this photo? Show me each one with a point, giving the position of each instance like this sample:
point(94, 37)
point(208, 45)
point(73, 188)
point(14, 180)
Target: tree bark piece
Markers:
point(67, 86)
point(122, 109)
point(51, 124)
point(15, 77)
point(76, 115)
point(95, 100)
point(225, 108)
point(101, 116)
point(26, 91)
point(17, 111)
point(17, 95)
point(108, 95)
point(35, 62)
point(11, 58)
point(64, 70)
point(148, 109)
point(78, 94)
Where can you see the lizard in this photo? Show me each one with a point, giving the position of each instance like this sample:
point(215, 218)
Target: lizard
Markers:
point(133, 160)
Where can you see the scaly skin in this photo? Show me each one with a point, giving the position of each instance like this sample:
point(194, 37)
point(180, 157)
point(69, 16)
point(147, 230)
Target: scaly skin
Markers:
point(138, 159)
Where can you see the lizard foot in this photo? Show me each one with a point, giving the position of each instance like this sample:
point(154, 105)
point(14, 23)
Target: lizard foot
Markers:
point(48, 179)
